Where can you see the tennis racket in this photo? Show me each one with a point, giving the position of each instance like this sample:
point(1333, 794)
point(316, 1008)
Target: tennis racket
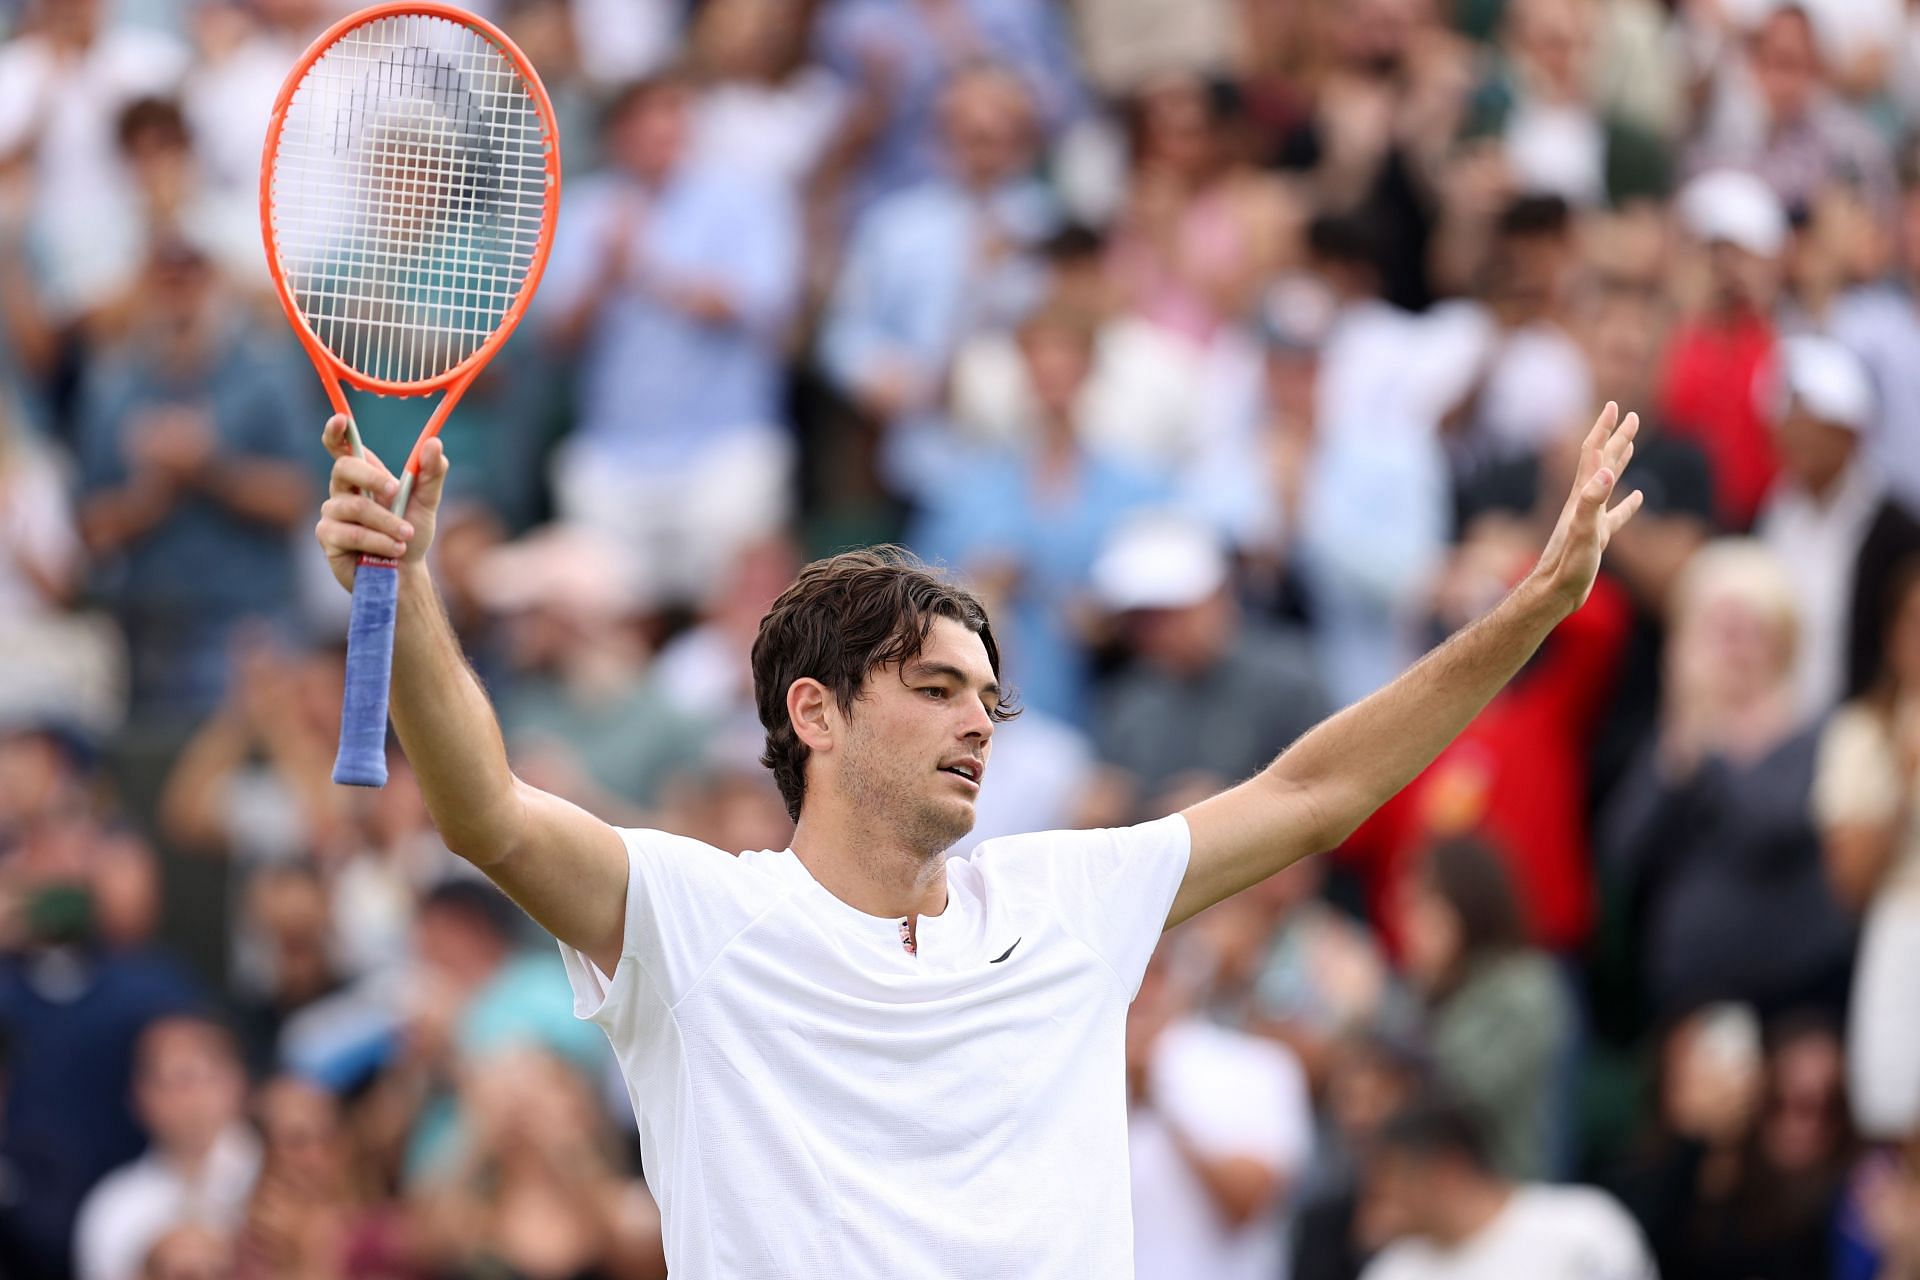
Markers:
point(408, 193)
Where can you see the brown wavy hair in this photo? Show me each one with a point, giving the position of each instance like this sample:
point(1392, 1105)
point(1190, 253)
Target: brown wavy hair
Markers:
point(842, 618)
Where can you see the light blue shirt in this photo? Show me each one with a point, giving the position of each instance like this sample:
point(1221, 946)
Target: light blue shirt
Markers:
point(994, 512)
point(1028, 36)
point(913, 284)
point(656, 386)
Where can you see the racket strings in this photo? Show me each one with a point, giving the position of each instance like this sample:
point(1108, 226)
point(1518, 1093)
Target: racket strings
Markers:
point(408, 195)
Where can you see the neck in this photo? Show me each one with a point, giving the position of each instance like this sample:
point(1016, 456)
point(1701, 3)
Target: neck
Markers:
point(1474, 1207)
point(191, 1161)
point(865, 863)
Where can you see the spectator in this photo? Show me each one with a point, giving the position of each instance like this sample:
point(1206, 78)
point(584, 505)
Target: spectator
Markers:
point(1290, 965)
point(934, 262)
point(1027, 526)
point(537, 1193)
point(674, 280)
point(189, 1252)
point(1147, 396)
point(189, 437)
point(73, 997)
point(1876, 316)
point(311, 1214)
point(1202, 230)
point(1503, 1023)
point(1431, 1188)
point(190, 1090)
point(1745, 1180)
point(763, 109)
point(473, 994)
point(1372, 1077)
point(1205, 699)
point(1777, 116)
point(1219, 1130)
point(579, 709)
point(1829, 520)
point(1864, 792)
point(1535, 384)
point(900, 60)
point(67, 78)
point(1389, 94)
point(1709, 841)
point(1714, 358)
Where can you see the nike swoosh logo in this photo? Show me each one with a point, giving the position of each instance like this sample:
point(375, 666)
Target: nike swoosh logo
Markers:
point(1009, 951)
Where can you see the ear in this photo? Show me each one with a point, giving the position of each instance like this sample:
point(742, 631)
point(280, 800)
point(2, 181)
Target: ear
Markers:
point(811, 709)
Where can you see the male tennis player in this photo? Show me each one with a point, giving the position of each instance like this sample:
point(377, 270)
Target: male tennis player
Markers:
point(855, 1058)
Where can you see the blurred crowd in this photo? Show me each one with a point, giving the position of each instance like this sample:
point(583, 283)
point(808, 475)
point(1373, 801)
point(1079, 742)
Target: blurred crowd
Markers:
point(1236, 351)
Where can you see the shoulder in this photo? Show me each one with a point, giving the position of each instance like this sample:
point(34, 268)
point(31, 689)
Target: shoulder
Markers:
point(1578, 1215)
point(1403, 1260)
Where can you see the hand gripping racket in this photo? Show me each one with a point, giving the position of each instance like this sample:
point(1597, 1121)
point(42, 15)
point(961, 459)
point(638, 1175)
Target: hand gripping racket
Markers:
point(407, 195)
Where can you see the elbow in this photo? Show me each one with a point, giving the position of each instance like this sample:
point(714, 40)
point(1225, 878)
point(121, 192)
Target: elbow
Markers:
point(486, 835)
point(1323, 817)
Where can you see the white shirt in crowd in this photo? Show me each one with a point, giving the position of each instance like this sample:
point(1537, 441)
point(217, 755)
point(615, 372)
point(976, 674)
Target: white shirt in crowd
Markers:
point(136, 1204)
point(65, 116)
point(1543, 1233)
point(1229, 1094)
point(814, 1100)
point(1818, 543)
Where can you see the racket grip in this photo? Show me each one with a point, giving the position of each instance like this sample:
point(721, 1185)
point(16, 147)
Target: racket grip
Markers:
point(362, 761)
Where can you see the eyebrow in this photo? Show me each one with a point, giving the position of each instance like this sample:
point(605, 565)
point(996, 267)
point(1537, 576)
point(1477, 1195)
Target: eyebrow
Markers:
point(924, 670)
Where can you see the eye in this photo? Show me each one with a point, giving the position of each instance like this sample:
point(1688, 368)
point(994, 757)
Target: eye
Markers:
point(934, 691)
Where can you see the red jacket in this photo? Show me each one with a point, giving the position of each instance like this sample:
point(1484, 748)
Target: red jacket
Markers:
point(1517, 775)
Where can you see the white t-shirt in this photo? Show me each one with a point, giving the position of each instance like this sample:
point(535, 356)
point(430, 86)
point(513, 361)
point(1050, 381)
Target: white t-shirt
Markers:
point(1544, 1233)
point(813, 1100)
point(1229, 1094)
point(132, 1207)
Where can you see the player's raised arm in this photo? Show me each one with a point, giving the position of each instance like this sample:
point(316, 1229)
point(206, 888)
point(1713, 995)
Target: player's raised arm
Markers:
point(1325, 785)
point(565, 867)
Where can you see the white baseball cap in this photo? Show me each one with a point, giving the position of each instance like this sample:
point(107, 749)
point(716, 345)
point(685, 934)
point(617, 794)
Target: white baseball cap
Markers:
point(1736, 208)
point(1826, 379)
point(1162, 560)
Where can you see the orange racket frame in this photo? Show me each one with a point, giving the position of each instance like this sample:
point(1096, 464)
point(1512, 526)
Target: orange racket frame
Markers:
point(455, 381)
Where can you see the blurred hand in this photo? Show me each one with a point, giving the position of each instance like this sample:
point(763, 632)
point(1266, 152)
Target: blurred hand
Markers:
point(173, 442)
point(353, 524)
point(1571, 560)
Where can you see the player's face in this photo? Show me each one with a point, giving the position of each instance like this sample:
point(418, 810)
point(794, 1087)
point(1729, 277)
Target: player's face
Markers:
point(916, 733)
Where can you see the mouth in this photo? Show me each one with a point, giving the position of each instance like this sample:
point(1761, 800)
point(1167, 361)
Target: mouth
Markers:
point(968, 771)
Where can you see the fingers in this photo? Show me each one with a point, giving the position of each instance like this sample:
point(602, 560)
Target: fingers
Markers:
point(1619, 516)
point(433, 475)
point(365, 513)
point(345, 537)
point(365, 474)
point(1619, 446)
point(1602, 427)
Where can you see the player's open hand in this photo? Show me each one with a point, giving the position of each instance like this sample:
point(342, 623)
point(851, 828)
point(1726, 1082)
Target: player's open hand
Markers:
point(1571, 560)
point(356, 518)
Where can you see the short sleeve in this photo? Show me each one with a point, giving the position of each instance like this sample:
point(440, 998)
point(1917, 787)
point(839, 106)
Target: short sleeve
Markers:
point(685, 901)
point(1110, 888)
point(1856, 777)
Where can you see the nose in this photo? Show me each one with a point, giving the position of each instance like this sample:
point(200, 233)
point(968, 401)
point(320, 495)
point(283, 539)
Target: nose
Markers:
point(979, 724)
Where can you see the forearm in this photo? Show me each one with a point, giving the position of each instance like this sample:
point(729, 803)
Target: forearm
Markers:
point(115, 517)
point(1353, 762)
point(276, 494)
point(448, 729)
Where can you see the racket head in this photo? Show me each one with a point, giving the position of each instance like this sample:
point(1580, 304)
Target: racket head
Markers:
point(409, 189)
